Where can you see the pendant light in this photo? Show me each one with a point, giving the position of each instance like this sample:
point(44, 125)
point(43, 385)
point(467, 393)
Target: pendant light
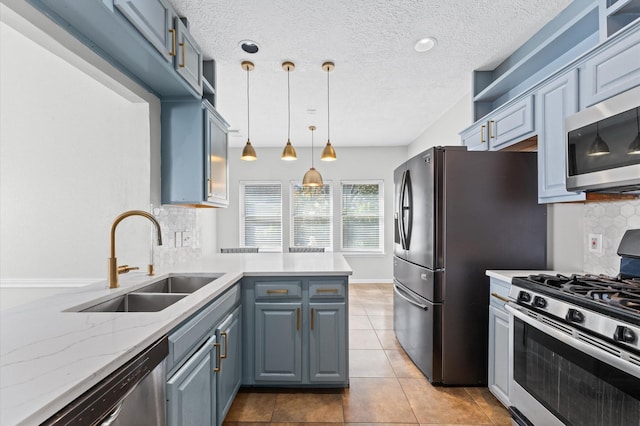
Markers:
point(598, 146)
point(634, 148)
point(289, 153)
point(312, 178)
point(328, 153)
point(248, 153)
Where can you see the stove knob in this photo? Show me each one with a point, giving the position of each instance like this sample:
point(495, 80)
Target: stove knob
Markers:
point(539, 302)
point(624, 334)
point(574, 316)
point(523, 296)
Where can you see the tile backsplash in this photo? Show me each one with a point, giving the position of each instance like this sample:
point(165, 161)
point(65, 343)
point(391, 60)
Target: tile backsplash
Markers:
point(174, 220)
point(610, 219)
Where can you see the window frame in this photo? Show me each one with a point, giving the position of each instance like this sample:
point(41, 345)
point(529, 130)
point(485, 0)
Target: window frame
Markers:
point(292, 185)
point(381, 216)
point(241, 217)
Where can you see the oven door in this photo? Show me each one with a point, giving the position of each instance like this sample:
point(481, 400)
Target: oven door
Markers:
point(564, 376)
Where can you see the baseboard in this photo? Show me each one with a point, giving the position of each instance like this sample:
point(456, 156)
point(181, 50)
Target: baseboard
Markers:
point(46, 282)
point(370, 280)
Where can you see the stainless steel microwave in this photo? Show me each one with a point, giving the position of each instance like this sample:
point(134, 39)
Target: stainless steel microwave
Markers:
point(603, 145)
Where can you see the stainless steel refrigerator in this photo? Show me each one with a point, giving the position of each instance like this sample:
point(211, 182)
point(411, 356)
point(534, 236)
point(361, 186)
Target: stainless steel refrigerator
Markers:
point(457, 214)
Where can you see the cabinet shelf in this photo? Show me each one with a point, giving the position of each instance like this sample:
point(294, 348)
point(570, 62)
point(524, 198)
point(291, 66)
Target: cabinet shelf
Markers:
point(621, 14)
point(562, 40)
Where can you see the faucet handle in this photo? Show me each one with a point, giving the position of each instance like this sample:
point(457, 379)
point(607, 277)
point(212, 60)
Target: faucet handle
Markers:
point(126, 268)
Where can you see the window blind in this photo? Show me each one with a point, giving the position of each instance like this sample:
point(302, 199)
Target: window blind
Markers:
point(362, 216)
point(261, 215)
point(311, 216)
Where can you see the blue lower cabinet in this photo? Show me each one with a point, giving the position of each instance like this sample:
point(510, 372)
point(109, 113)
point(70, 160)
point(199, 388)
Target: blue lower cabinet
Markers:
point(191, 391)
point(230, 374)
point(278, 342)
point(327, 342)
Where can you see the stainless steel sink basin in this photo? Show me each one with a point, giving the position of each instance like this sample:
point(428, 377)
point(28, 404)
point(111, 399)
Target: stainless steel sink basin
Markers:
point(179, 284)
point(137, 302)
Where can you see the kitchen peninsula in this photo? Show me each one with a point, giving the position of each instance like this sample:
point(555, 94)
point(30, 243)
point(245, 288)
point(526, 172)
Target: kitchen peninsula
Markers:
point(51, 352)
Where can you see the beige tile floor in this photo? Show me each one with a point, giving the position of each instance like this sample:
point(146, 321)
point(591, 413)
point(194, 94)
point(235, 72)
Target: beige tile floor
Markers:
point(384, 385)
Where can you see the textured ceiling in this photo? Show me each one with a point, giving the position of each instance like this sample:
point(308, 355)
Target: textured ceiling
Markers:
point(383, 92)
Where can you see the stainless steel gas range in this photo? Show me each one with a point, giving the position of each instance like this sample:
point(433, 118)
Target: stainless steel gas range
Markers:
point(575, 346)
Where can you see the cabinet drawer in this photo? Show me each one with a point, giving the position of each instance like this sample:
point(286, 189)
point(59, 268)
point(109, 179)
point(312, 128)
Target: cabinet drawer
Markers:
point(278, 289)
point(498, 293)
point(327, 289)
point(188, 336)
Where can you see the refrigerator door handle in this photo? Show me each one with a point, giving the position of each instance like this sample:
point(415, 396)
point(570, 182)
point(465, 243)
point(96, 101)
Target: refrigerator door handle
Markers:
point(400, 294)
point(401, 211)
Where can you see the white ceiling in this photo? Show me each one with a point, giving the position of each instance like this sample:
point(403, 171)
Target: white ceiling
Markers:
point(383, 92)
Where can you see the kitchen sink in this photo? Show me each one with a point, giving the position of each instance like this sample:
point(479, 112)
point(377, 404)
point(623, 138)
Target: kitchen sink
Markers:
point(179, 284)
point(137, 302)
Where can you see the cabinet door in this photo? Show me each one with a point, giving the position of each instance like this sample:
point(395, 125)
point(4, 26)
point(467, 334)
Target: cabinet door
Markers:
point(278, 342)
point(188, 61)
point(154, 20)
point(191, 391)
point(216, 188)
point(475, 138)
point(230, 335)
point(499, 354)
point(512, 124)
point(327, 342)
point(612, 71)
point(555, 101)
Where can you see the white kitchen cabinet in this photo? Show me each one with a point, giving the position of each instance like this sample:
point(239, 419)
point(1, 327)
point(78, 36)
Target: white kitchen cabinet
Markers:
point(554, 102)
point(475, 137)
point(499, 362)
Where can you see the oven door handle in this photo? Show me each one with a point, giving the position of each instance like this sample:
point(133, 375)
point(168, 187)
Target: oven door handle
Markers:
point(590, 349)
point(408, 300)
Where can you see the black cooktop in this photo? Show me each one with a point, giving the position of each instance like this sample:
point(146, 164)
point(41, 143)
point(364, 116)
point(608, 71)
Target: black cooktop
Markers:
point(611, 296)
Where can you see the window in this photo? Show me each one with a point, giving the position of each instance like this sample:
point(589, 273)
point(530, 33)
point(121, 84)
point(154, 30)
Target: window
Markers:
point(311, 216)
point(261, 215)
point(362, 216)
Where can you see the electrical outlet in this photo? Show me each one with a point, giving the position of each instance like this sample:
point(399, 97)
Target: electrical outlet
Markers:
point(595, 243)
point(187, 240)
point(178, 239)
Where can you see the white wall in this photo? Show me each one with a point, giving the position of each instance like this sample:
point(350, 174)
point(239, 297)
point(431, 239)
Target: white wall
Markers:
point(352, 163)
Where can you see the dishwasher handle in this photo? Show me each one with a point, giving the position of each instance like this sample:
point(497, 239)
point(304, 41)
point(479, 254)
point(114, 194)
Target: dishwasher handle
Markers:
point(114, 415)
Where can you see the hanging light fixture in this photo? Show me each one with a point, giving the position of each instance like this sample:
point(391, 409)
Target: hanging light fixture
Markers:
point(598, 146)
point(634, 148)
point(312, 178)
point(248, 153)
point(328, 153)
point(289, 153)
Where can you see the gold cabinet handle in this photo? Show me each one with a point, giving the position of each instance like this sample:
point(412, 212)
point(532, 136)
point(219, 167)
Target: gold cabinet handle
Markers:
point(226, 343)
point(298, 319)
point(184, 57)
point(173, 42)
point(497, 296)
point(278, 291)
point(491, 124)
point(482, 134)
point(312, 315)
point(327, 290)
point(219, 363)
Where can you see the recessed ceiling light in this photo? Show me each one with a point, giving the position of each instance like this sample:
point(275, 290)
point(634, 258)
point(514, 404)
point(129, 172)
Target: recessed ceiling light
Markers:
point(249, 46)
point(425, 44)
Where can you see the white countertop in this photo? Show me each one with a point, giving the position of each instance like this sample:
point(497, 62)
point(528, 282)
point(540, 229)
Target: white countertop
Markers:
point(508, 275)
point(48, 357)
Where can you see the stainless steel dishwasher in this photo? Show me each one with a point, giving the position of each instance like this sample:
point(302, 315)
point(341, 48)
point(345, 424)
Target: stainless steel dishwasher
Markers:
point(135, 394)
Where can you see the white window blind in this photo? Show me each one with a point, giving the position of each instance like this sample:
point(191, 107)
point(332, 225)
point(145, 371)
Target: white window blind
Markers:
point(311, 216)
point(261, 215)
point(362, 216)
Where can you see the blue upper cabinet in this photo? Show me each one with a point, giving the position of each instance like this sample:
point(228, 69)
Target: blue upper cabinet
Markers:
point(154, 20)
point(140, 37)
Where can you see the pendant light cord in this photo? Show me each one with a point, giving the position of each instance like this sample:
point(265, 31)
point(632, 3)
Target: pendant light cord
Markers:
point(248, 133)
point(312, 149)
point(288, 107)
point(328, 106)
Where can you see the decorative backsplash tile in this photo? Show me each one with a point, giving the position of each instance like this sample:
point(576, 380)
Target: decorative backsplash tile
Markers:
point(174, 220)
point(610, 219)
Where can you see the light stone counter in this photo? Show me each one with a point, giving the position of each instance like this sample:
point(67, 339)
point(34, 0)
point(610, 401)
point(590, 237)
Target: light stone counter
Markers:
point(508, 275)
point(49, 356)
